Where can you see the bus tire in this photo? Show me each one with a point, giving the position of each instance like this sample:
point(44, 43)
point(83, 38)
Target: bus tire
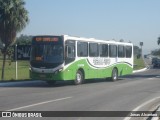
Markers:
point(114, 75)
point(79, 78)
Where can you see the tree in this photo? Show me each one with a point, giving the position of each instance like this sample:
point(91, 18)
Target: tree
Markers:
point(13, 18)
point(24, 40)
point(155, 52)
point(121, 40)
point(137, 52)
point(158, 40)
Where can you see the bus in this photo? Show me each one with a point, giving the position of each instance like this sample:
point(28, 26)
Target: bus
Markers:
point(64, 57)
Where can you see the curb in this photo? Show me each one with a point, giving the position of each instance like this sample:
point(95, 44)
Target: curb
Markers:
point(9, 81)
point(141, 70)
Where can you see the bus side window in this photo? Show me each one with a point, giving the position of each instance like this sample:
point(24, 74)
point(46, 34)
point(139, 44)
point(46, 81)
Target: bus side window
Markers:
point(69, 53)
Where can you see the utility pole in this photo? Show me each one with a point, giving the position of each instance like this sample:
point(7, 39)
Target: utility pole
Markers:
point(141, 44)
point(16, 61)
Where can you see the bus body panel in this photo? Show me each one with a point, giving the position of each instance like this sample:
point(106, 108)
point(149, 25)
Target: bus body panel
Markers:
point(93, 67)
point(70, 71)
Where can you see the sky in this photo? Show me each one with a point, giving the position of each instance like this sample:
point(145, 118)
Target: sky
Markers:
point(131, 20)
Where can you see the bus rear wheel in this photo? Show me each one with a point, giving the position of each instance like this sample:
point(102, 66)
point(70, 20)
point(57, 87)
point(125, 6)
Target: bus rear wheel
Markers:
point(114, 75)
point(79, 78)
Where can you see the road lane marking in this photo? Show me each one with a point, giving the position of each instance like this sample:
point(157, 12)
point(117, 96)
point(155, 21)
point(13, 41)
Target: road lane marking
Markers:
point(157, 76)
point(150, 78)
point(140, 106)
point(41, 103)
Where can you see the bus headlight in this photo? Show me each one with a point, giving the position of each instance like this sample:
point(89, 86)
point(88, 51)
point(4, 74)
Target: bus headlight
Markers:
point(30, 69)
point(60, 69)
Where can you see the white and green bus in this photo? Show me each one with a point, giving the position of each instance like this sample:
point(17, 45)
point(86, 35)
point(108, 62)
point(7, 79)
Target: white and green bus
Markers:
point(61, 58)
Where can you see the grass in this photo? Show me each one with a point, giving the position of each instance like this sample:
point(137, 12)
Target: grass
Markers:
point(10, 70)
point(138, 63)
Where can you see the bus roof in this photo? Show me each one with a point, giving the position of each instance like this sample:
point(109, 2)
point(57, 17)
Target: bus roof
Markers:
point(95, 40)
point(88, 39)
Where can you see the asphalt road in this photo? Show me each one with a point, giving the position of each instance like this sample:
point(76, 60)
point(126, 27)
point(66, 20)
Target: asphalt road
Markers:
point(132, 92)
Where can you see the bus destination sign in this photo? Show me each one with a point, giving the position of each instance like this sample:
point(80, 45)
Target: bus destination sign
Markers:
point(46, 39)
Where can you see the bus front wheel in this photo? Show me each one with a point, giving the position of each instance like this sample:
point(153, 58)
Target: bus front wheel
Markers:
point(79, 78)
point(114, 75)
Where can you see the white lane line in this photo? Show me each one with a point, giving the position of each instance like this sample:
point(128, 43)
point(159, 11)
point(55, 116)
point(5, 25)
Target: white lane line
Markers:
point(140, 106)
point(150, 78)
point(41, 103)
point(157, 76)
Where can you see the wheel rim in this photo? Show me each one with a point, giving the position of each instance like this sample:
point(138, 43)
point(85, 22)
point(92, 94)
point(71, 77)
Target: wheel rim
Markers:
point(115, 75)
point(79, 77)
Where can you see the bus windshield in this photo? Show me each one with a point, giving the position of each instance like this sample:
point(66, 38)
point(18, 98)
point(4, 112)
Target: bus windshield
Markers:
point(47, 55)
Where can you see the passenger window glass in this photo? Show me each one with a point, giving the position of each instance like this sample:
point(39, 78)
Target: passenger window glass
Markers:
point(82, 49)
point(103, 49)
point(93, 50)
point(121, 51)
point(112, 50)
point(128, 51)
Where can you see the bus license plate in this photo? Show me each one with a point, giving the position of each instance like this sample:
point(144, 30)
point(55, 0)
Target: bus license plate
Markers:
point(42, 76)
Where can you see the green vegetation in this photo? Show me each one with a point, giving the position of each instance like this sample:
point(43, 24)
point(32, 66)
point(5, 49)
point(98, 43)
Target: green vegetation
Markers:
point(13, 19)
point(158, 41)
point(138, 63)
point(10, 74)
point(156, 52)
